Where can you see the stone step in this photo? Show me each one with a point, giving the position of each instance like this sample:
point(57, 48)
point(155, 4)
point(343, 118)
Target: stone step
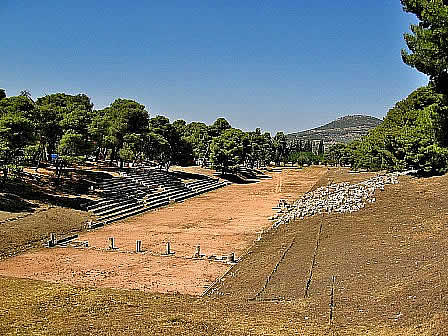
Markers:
point(109, 205)
point(187, 195)
point(136, 212)
point(210, 188)
point(151, 202)
point(118, 207)
point(126, 215)
point(197, 192)
point(121, 212)
point(156, 198)
point(203, 185)
point(124, 189)
point(98, 204)
point(195, 184)
point(112, 183)
point(174, 192)
point(158, 204)
point(123, 186)
point(148, 183)
point(181, 196)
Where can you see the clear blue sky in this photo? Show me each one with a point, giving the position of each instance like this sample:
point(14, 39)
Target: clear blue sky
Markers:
point(278, 65)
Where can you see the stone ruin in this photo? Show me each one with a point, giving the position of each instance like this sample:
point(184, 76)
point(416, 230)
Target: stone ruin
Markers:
point(334, 198)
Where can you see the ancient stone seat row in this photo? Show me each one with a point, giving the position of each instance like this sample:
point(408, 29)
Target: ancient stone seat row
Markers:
point(142, 190)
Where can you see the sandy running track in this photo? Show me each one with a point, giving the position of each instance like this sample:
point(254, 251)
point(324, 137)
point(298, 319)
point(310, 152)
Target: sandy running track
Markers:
point(222, 221)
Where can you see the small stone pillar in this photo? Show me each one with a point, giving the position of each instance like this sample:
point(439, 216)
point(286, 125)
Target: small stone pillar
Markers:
point(231, 258)
point(138, 246)
point(197, 253)
point(112, 243)
point(52, 241)
point(168, 248)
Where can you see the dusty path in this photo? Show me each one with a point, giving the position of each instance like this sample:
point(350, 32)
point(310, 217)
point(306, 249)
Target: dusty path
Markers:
point(223, 221)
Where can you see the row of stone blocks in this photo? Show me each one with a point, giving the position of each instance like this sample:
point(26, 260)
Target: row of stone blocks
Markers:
point(138, 194)
point(169, 252)
point(126, 209)
point(53, 242)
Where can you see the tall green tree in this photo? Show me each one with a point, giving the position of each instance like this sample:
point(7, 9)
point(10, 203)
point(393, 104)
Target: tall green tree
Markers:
point(254, 144)
point(124, 117)
point(98, 132)
point(218, 127)
point(427, 41)
point(61, 113)
point(180, 126)
point(411, 136)
point(226, 150)
point(197, 135)
point(16, 132)
point(172, 146)
point(267, 153)
point(19, 105)
point(280, 145)
point(337, 154)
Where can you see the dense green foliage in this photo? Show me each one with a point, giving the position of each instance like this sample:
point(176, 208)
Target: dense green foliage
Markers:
point(64, 130)
point(411, 136)
point(428, 41)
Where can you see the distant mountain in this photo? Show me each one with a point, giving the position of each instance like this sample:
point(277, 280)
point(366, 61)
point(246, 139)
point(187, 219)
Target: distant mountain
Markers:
point(342, 130)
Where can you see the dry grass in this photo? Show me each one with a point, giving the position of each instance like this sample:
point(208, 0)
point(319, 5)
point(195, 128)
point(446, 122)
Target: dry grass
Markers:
point(38, 308)
point(30, 230)
point(390, 260)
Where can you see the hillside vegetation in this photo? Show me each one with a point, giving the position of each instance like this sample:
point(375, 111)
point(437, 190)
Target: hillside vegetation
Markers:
point(412, 136)
point(342, 130)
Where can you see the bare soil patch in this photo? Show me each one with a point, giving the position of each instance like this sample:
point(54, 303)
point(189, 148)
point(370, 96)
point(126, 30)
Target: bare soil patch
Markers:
point(222, 221)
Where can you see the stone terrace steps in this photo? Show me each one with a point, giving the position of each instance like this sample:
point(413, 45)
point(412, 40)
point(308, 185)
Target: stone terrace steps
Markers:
point(197, 192)
point(122, 210)
point(136, 192)
point(98, 211)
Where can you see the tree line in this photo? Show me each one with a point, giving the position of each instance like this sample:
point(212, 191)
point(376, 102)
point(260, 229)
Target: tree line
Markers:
point(66, 130)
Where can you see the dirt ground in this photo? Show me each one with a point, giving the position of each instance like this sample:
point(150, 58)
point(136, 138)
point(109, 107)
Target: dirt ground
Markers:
point(389, 260)
point(221, 222)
